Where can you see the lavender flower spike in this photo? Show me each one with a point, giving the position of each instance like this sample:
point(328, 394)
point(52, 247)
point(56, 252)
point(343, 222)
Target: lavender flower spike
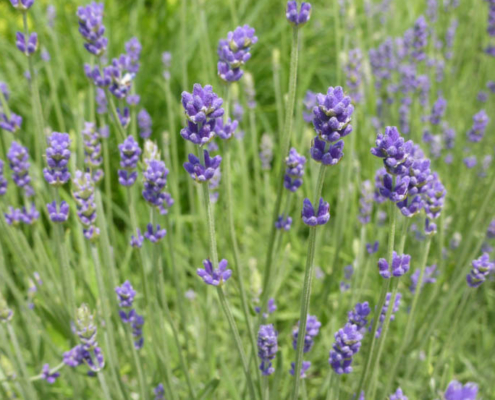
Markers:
point(400, 266)
point(84, 195)
point(155, 180)
point(312, 218)
point(19, 164)
point(58, 214)
point(154, 235)
point(92, 29)
point(480, 271)
point(295, 170)
point(214, 277)
point(312, 329)
point(27, 45)
point(267, 348)
point(137, 241)
point(304, 368)
point(48, 376)
point(3, 181)
point(398, 395)
point(11, 125)
point(129, 158)
point(393, 149)
point(199, 172)
point(22, 5)
point(359, 316)
point(57, 157)
point(144, 123)
point(480, 122)
point(456, 391)
point(327, 153)
point(298, 18)
point(347, 344)
point(125, 294)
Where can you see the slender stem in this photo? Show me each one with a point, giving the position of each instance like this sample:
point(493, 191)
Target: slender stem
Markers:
point(256, 162)
point(385, 286)
point(285, 141)
point(237, 339)
point(116, 119)
point(55, 98)
point(137, 362)
point(104, 386)
point(266, 388)
point(306, 291)
point(68, 288)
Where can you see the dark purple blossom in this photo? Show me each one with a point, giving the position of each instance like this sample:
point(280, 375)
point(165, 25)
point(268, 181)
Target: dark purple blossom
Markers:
point(144, 123)
point(283, 222)
point(214, 277)
point(57, 158)
point(125, 294)
point(129, 158)
point(434, 197)
point(311, 217)
point(400, 266)
point(199, 172)
point(27, 45)
point(48, 376)
point(372, 248)
point(267, 348)
point(154, 235)
point(155, 180)
point(271, 308)
point(359, 316)
point(394, 191)
point(124, 117)
point(74, 357)
point(159, 392)
point(309, 102)
point(225, 130)
point(14, 216)
point(84, 195)
point(347, 344)
point(480, 270)
point(29, 215)
point(399, 395)
point(56, 213)
point(298, 18)
point(420, 39)
point(327, 153)
point(394, 150)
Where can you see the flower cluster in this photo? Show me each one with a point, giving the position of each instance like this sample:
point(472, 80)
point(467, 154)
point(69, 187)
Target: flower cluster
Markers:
point(295, 170)
point(457, 391)
point(57, 158)
point(354, 74)
point(22, 5)
point(312, 329)
point(366, 202)
point(398, 395)
point(267, 348)
point(332, 122)
point(27, 44)
point(144, 122)
point(16, 215)
point(155, 180)
point(480, 271)
point(225, 130)
point(438, 110)
point(271, 308)
point(154, 234)
point(420, 39)
point(202, 172)
point(359, 316)
point(19, 164)
point(319, 217)
point(11, 125)
point(480, 122)
point(347, 344)
point(133, 49)
point(234, 52)
point(84, 195)
point(49, 376)
point(383, 313)
point(57, 213)
point(429, 276)
point(298, 18)
point(129, 158)
point(283, 222)
point(92, 29)
point(93, 149)
point(400, 266)
point(3, 181)
point(128, 315)
point(214, 277)
point(309, 102)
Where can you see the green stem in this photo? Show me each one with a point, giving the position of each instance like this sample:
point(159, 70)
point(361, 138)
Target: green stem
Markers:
point(68, 288)
point(55, 98)
point(116, 119)
point(284, 150)
point(266, 388)
point(104, 386)
point(306, 290)
point(137, 362)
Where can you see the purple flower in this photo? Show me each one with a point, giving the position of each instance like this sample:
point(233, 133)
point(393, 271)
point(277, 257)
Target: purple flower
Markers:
point(4, 90)
point(155, 180)
point(144, 123)
point(400, 266)
point(372, 248)
point(13, 217)
point(490, 85)
point(3, 182)
point(57, 158)
point(438, 110)
point(129, 158)
point(74, 357)
point(298, 18)
point(29, 216)
point(154, 236)
point(267, 348)
point(332, 115)
point(420, 39)
point(284, 223)
point(383, 313)
point(327, 153)
point(354, 74)
point(312, 218)
point(137, 241)
point(309, 102)
point(271, 308)
point(295, 170)
point(470, 161)
point(214, 277)
point(312, 330)
point(159, 392)
point(92, 29)
point(456, 391)
point(347, 344)
point(45, 55)
point(304, 368)
point(434, 197)
point(133, 49)
point(359, 316)
point(124, 117)
point(233, 52)
point(393, 149)
point(366, 202)
point(480, 122)
point(225, 131)
point(481, 269)
point(93, 149)
point(490, 232)
point(133, 99)
point(199, 172)
point(83, 192)
point(398, 395)
point(58, 214)
point(482, 96)
point(27, 46)
point(429, 276)
point(13, 124)
point(383, 62)
point(394, 192)
point(125, 294)
point(48, 376)
point(19, 164)
point(22, 5)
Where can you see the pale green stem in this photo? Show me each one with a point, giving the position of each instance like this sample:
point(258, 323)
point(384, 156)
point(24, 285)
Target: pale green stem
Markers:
point(306, 290)
point(143, 389)
point(256, 162)
point(266, 388)
point(68, 287)
point(284, 150)
point(55, 98)
point(104, 386)
point(115, 115)
point(22, 364)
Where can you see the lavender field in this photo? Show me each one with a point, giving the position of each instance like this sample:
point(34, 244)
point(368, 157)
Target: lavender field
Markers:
point(237, 199)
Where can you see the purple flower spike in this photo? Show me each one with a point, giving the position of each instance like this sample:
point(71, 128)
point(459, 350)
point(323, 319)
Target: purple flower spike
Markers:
point(394, 150)
point(58, 214)
point(125, 294)
point(3, 182)
point(22, 5)
point(144, 123)
point(271, 306)
point(137, 241)
point(327, 153)
point(434, 197)
point(420, 39)
point(480, 122)
point(304, 368)
point(225, 131)
point(429, 276)
point(19, 164)
point(480, 271)
point(13, 217)
point(398, 395)
point(267, 348)
point(295, 170)
point(394, 193)
point(27, 46)
point(129, 158)
point(133, 99)
point(456, 391)
point(400, 266)
point(383, 313)
point(438, 110)
point(124, 117)
point(155, 180)
point(298, 18)
point(347, 344)
point(312, 330)
point(48, 376)
point(309, 103)
point(154, 236)
point(11, 125)
point(202, 173)
point(215, 277)
point(284, 223)
point(159, 392)
point(57, 158)
point(359, 316)
point(74, 357)
point(332, 115)
point(92, 29)
point(202, 104)
point(372, 248)
point(312, 218)
point(366, 202)
point(29, 216)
